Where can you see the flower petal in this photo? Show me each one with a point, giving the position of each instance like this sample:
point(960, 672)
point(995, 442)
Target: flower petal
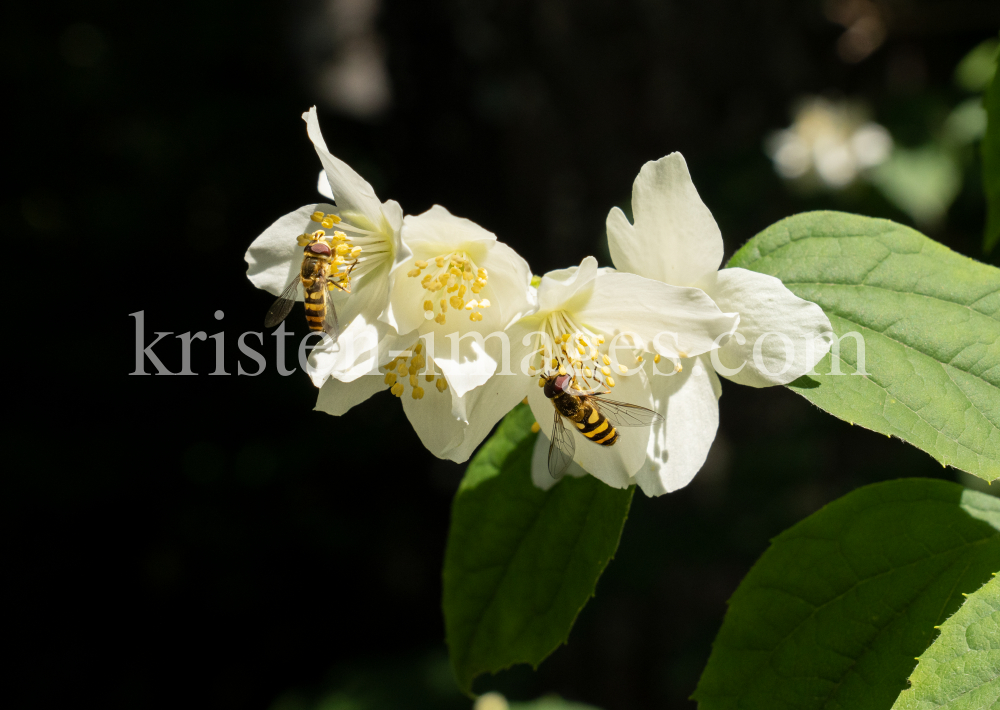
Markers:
point(612, 464)
point(438, 231)
point(678, 445)
point(675, 239)
point(540, 465)
point(336, 397)
point(323, 186)
point(508, 284)
point(567, 288)
point(482, 408)
point(275, 257)
point(354, 195)
point(783, 335)
point(431, 417)
point(674, 321)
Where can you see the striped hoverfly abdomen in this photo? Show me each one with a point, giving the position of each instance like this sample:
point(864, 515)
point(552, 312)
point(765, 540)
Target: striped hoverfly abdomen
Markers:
point(318, 276)
point(595, 417)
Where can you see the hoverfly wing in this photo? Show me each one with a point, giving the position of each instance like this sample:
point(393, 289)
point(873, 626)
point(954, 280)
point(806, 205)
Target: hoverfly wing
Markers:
point(623, 414)
point(330, 325)
point(561, 448)
point(283, 305)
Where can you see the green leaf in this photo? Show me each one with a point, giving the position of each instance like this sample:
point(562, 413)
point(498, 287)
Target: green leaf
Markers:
point(521, 562)
point(991, 163)
point(929, 320)
point(836, 610)
point(961, 669)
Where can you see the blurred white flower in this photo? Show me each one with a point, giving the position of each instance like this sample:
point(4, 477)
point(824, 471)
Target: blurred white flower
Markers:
point(829, 141)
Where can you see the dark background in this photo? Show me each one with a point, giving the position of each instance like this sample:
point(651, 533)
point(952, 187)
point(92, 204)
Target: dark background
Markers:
point(210, 541)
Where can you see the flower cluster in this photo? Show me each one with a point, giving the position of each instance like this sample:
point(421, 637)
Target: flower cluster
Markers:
point(436, 310)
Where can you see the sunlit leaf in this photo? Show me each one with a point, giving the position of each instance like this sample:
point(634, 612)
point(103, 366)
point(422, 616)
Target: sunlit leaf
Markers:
point(961, 669)
point(991, 163)
point(522, 562)
point(929, 320)
point(836, 610)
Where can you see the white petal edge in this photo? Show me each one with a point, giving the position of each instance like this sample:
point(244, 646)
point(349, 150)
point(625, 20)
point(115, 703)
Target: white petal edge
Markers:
point(323, 186)
point(675, 238)
point(674, 321)
point(679, 445)
point(337, 398)
point(773, 322)
point(275, 257)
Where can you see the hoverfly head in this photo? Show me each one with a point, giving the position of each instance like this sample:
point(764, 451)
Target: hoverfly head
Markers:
point(556, 385)
point(319, 247)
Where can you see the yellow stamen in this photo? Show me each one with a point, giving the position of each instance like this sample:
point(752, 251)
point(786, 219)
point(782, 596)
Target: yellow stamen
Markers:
point(441, 384)
point(609, 381)
point(418, 393)
point(390, 378)
point(317, 216)
point(535, 428)
point(656, 357)
point(397, 389)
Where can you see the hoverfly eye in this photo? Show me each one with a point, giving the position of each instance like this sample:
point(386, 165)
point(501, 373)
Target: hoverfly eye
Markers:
point(319, 248)
point(550, 389)
point(562, 383)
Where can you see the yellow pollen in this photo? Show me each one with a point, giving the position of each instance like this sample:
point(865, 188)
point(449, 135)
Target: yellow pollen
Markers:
point(411, 273)
point(428, 305)
point(524, 401)
point(609, 381)
point(468, 275)
point(562, 370)
point(481, 273)
point(327, 222)
point(606, 370)
point(441, 384)
point(413, 380)
point(541, 382)
point(461, 290)
point(457, 303)
point(439, 261)
point(420, 264)
point(317, 216)
point(587, 372)
point(638, 359)
point(303, 240)
point(339, 237)
point(679, 368)
point(579, 349)
point(439, 318)
point(470, 305)
point(419, 348)
point(355, 252)
point(622, 369)
point(429, 378)
point(331, 286)
point(681, 353)
point(555, 363)
point(397, 389)
point(600, 340)
point(535, 428)
point(656, 357)
point(401, 369)
point(426, 280)
point(607, 360)
point(485, 303)
point(343, 250)
point(476, 288)
point(476, 317)
point(390, 378)
point(418, 393)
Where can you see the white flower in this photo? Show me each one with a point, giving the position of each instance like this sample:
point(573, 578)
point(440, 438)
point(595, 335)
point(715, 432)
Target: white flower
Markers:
point(600, 327)
point(455, 291)
point(366, 236)
point(830, 139)
point(675, 240)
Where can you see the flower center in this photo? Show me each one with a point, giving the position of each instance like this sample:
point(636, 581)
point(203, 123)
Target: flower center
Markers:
point(566, 348)
point(357, 251)
point(448, 279)
point(405, 367)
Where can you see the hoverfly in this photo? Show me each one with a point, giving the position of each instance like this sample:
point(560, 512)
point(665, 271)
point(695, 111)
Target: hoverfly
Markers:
point(595, 417)
point(317, 265)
